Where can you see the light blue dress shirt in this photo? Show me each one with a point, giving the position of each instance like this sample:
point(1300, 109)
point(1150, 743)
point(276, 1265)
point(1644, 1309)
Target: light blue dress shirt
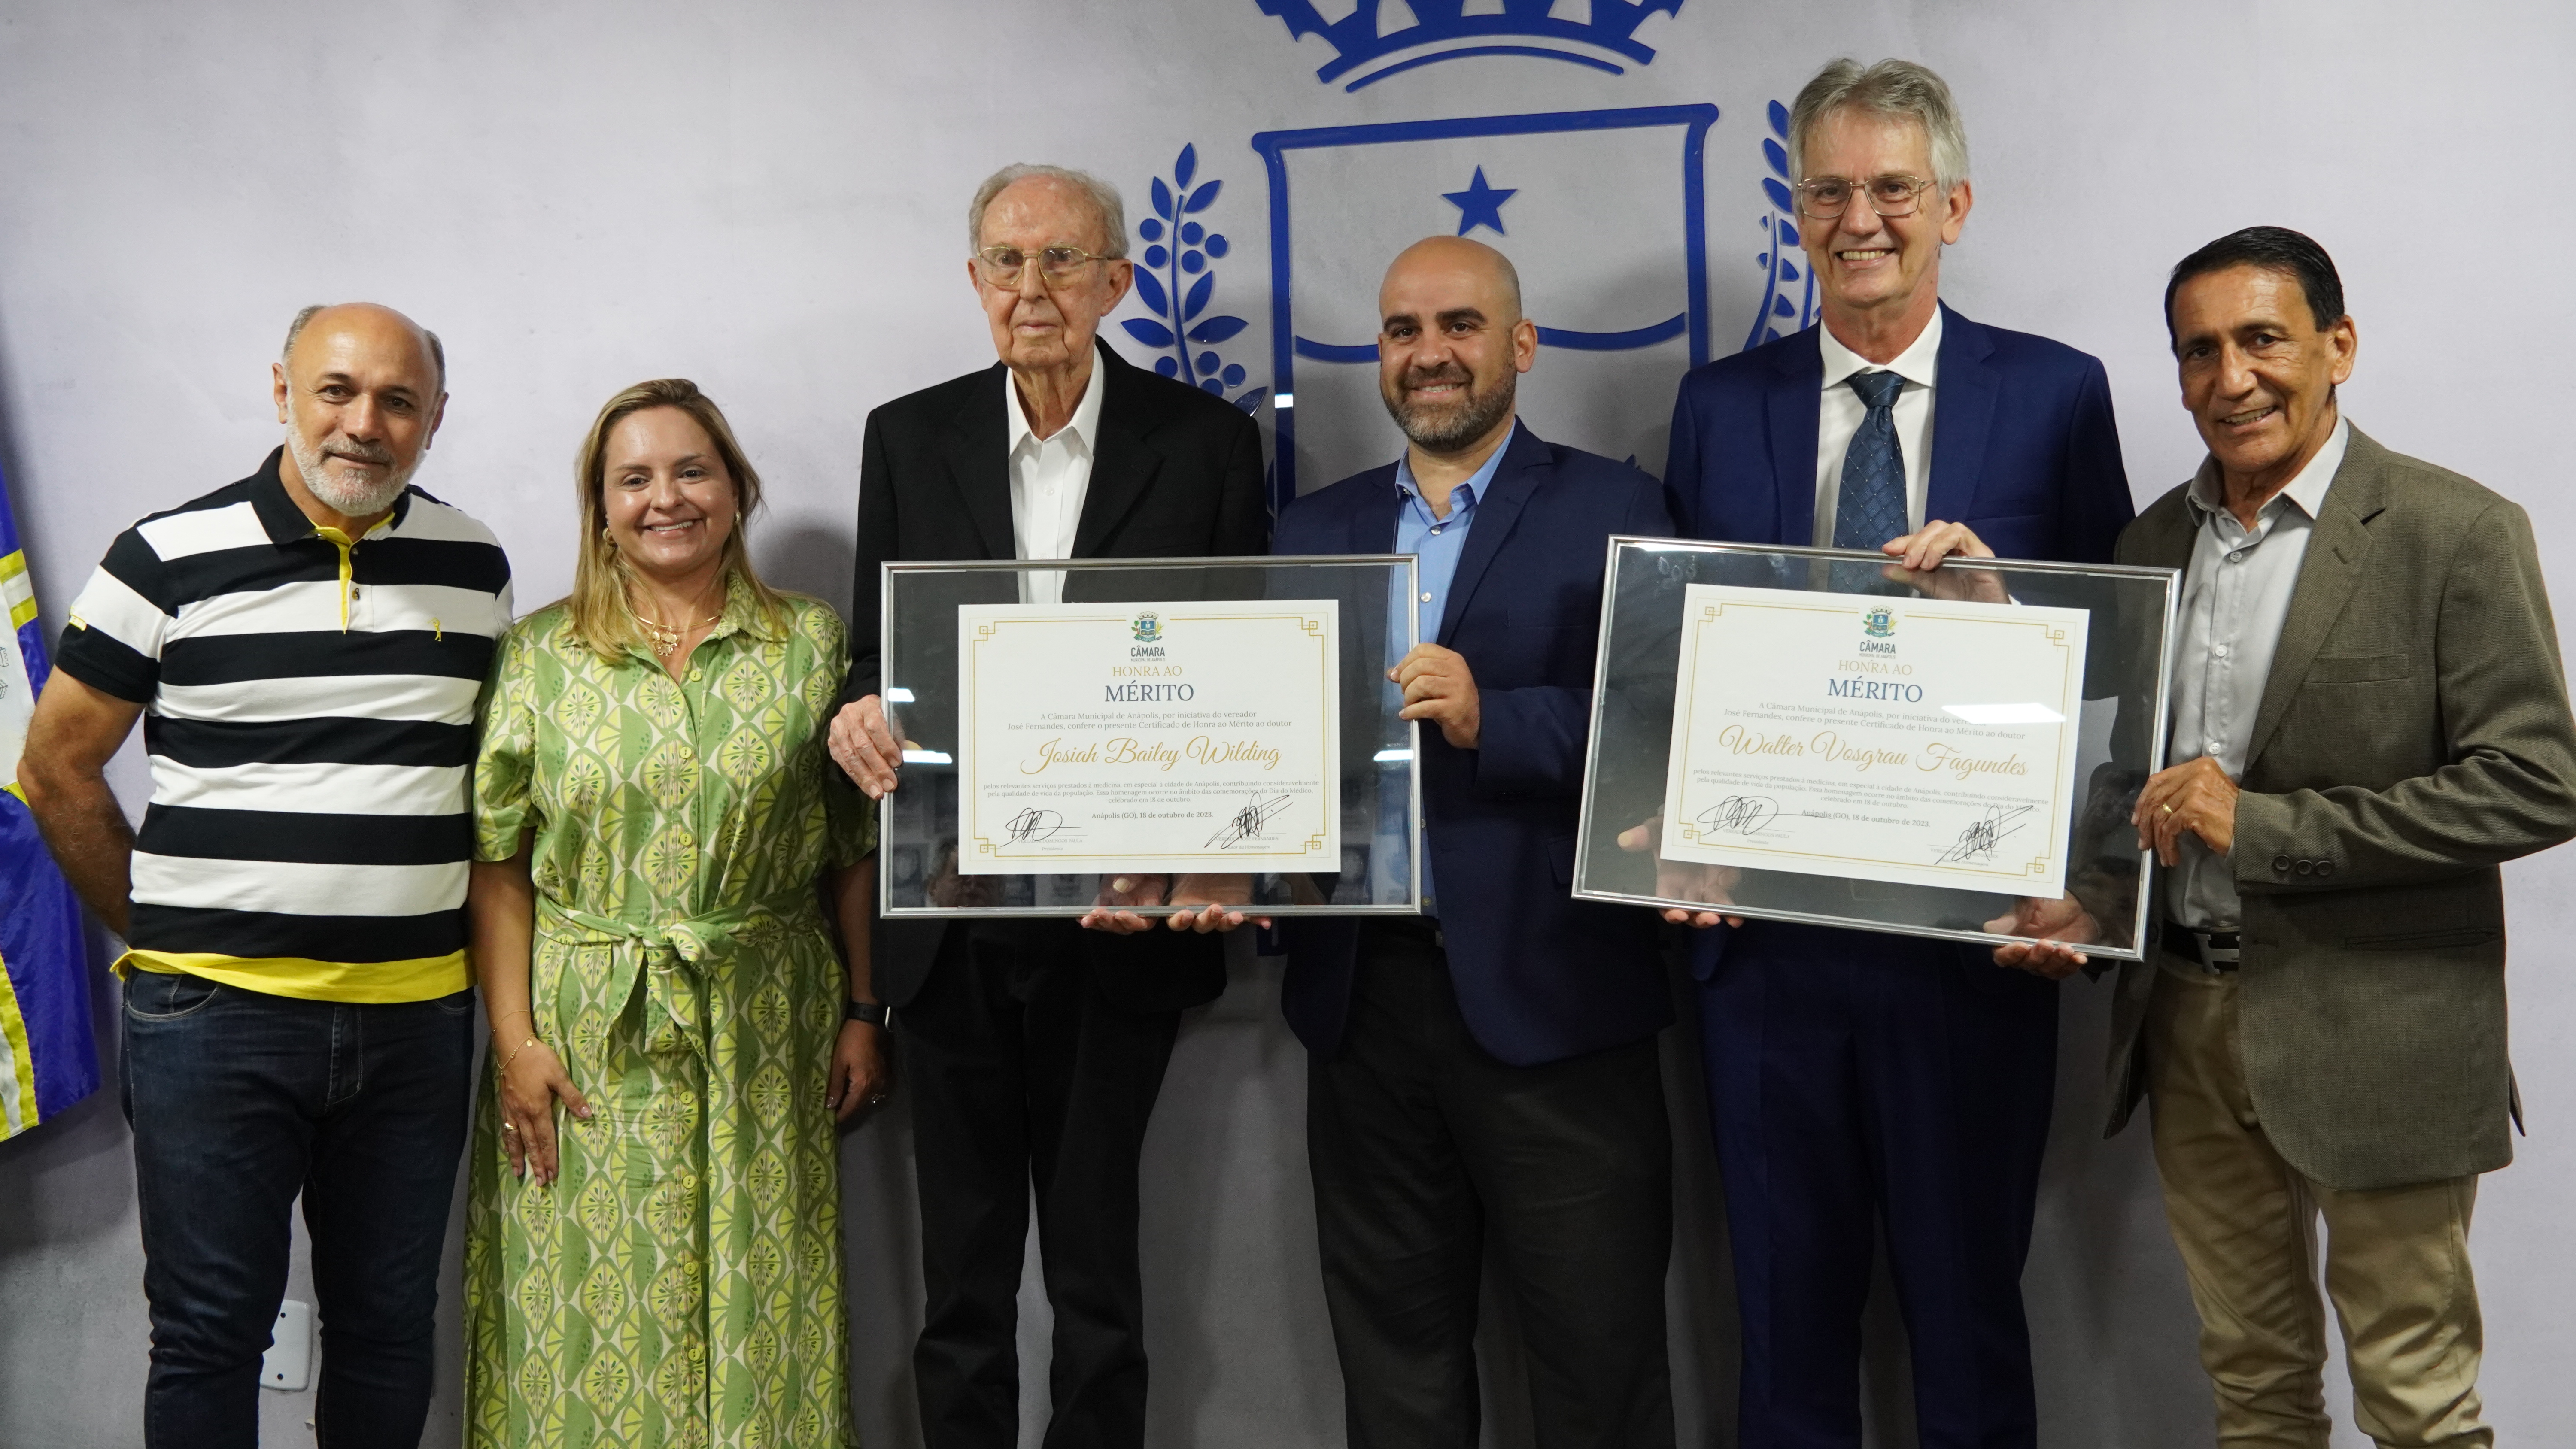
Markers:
point(2235, 598)
point(1436, 544)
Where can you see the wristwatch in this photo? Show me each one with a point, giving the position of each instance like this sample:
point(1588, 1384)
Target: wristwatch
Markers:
point(871, 1012)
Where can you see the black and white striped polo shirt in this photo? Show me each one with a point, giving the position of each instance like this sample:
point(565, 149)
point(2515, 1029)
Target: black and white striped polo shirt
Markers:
point(309, 711)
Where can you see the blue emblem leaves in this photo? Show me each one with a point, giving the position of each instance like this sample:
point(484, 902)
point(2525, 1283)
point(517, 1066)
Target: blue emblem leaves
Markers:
point(1150, 288)
point(1180, 250)
point(1780, 274)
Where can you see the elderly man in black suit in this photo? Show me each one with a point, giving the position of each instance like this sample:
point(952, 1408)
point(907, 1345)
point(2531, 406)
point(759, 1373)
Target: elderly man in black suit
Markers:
point(1033, 1049)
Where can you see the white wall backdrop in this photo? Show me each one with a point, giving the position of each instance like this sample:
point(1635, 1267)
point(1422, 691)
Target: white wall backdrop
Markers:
point(767, 196)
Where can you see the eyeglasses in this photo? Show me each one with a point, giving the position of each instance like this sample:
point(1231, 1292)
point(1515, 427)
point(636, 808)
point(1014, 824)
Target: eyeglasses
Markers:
point(1002, 266)
point(1823, 198)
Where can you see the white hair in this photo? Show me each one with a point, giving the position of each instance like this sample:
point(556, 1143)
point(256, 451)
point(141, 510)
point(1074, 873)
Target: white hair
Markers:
point(1894, 89)
point(1103, 196)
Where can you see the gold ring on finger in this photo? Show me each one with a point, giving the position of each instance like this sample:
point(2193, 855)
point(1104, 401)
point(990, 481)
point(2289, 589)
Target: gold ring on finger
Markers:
point(2169, 810)
point(509, 1126)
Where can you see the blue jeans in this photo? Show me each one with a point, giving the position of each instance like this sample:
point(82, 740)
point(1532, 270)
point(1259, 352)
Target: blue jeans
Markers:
point(241, 1100)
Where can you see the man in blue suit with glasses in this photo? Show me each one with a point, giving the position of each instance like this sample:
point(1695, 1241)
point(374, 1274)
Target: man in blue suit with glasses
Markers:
point(1854, 1078)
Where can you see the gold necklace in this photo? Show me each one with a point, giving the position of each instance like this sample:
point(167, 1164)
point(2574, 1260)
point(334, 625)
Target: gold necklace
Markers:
point(666, 641)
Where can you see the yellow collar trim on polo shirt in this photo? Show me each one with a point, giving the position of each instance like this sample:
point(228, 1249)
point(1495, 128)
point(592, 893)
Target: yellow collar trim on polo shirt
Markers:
point(358, 982)
point(340, 541)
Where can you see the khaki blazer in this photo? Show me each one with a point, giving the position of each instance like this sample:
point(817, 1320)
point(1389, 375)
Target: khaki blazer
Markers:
point(2412, 736)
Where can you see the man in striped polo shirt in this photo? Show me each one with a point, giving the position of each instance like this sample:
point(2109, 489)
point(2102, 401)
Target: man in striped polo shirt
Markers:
point(304, 647)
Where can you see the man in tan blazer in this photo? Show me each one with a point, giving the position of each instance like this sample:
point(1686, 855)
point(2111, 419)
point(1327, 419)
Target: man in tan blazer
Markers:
point(2369, 717)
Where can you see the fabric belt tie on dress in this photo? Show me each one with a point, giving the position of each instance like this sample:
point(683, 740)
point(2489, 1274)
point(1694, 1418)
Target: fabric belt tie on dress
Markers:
point(667, 963)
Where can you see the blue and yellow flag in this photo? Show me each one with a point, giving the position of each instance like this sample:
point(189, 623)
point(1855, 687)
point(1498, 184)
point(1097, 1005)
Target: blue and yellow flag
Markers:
point(48, 1054)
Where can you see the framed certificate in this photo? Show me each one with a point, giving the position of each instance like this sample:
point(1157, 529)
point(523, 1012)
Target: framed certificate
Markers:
point(1190, 730)
point(1818, 736)
point(1176, 736)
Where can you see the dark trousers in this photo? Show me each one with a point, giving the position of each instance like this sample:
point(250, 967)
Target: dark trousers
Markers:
point(1857, 1081)
point(1021, 1073)
point(241, 1100)
point(1423, 1146)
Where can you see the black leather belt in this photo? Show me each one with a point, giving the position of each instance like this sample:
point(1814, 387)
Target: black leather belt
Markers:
point(2213, 951)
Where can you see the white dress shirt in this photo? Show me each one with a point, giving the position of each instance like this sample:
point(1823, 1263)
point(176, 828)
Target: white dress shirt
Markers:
point(1842, 412)
point(2235, 597)
point(1049, 477)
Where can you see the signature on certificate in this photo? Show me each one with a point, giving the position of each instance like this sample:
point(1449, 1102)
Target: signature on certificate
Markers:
point(1033, 824)
point(1738, 815)
point(1976, 845)
point(1248, 822)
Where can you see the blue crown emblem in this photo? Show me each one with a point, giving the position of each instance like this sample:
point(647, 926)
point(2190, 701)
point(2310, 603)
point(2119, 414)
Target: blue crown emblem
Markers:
point(1383, 37)
point(1149, 627)
point(1878, 623)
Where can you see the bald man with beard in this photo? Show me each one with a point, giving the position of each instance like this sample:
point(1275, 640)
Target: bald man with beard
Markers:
point(309, 643)
point(1486, 1072)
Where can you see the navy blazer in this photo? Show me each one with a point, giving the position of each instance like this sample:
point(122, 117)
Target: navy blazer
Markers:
point(1540, 976)
point(2024, 451)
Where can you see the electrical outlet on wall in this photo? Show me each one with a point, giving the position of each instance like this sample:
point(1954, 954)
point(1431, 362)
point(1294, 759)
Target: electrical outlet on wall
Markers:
point(288, 1364)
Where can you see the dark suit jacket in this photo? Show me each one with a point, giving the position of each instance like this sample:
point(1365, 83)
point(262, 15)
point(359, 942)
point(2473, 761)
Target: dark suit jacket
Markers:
point(2024, 451)
point(2413, 734)
point(1540, 976)
point(1175, 473)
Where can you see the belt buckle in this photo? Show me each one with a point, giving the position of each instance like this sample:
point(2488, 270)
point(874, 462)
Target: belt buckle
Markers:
point(2216, 958)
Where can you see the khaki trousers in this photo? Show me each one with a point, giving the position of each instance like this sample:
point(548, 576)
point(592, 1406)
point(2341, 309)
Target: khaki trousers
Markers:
point(2396, 1259)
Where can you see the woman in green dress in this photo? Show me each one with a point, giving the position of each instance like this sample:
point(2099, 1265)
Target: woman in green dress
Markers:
point(653, 1231)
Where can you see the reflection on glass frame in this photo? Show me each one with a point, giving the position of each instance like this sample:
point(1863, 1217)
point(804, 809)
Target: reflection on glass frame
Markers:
point(1222, 729)
point(1817, 735)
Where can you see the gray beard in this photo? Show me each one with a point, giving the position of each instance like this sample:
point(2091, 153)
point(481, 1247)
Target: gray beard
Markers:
point(357, 500)
point(1457, 430)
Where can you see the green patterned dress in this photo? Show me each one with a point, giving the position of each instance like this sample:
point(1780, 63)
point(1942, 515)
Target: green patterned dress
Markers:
point(680, 1282)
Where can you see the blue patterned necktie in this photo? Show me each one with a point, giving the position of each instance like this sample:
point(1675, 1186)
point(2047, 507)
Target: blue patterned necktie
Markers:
point(1870, 508)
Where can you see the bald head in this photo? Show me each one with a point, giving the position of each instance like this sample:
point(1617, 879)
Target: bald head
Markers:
point(1482, 270)
point(1451, 345)
point(360, 389)
point(368, 314)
